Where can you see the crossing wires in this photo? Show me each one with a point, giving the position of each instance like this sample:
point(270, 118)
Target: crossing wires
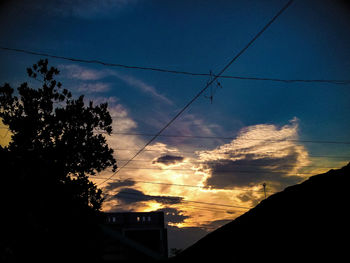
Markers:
point(215, 77)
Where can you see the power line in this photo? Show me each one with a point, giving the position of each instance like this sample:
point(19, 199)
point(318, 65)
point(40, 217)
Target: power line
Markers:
point(209, 162)
point(207, 85)
point(148, 197)
point(198, 186)
point(205, 208)
point(221, 137)
point(243, 165)
point(221, 171)
point(180, 151)
point(217, 204)
point(231, 138)
point(178, 72)
point(180, 185)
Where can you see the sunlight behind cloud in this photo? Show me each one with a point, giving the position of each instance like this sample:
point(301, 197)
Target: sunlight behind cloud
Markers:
point(230, 174)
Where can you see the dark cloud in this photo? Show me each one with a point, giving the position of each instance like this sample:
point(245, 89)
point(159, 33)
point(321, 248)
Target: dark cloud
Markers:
point(251, 171)
point(119, 183)
point(173, 215)
point(169, 159)
point(246, 197)
point(129, 196)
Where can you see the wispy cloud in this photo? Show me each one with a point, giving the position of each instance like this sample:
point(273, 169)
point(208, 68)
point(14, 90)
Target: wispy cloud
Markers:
point(86, 75)
point(73, 71)
point(97, 87)
point(144, 87)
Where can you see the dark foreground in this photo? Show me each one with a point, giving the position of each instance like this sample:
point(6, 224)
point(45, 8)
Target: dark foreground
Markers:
point(309, 221)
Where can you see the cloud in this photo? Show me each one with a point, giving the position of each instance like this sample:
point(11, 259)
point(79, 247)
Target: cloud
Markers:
point(144, 87)
point(173, 215)
point(73, 71)
point(187, 125)
point(85, 74)
point(98, 87)
point(250, 171)
point(130, 195)
point(121, 120)
point(260, 153)
point(168, 159)
point(117, 184)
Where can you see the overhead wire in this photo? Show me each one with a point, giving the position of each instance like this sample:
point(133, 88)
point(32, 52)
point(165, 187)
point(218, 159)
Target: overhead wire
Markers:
point(220, 137)
point(194, 151)
point(185, 185)
point(209, 209)
point(220, 171)
point(233, 164)
point(149, 197)
point(231, 138)
point(171, 71)
point(205, 208)
point(214, 161)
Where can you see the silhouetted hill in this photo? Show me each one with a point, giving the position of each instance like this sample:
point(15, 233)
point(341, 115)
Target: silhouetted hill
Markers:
point(305, 221)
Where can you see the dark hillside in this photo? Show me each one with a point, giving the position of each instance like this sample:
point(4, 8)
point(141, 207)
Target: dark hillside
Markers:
point(305, 221)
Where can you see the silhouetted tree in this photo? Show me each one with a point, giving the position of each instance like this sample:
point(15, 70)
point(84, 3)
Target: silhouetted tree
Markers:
point(51, 208)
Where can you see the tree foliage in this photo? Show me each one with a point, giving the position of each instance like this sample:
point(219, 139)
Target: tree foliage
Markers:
point(56, 144)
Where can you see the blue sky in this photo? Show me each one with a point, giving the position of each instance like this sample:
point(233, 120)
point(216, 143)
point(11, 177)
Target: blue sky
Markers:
point(309, 41)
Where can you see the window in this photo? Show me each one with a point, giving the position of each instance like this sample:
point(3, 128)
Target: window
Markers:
point(138, 219)
point(143, 219)
point(114, 219)
point(149, 219)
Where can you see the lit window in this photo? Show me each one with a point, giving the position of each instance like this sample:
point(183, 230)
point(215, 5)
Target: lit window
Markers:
point(138, 219)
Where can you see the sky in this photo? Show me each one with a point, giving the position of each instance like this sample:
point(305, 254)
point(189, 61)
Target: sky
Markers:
point(255, 131)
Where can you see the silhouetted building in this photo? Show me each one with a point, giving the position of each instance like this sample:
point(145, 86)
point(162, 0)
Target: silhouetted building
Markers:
point(135, 235)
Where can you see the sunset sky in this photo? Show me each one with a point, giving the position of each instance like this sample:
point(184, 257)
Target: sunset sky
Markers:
point(208, 167)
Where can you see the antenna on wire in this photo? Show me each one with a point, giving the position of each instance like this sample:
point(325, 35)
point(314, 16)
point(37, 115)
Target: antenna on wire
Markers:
point(212, 79)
